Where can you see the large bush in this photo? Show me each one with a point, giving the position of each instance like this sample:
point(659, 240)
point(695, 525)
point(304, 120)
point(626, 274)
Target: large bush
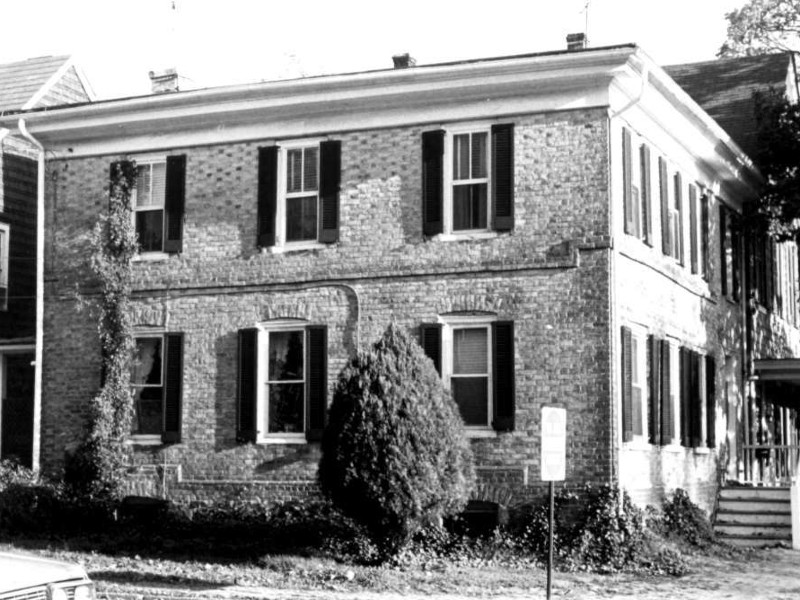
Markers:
point(394, 453)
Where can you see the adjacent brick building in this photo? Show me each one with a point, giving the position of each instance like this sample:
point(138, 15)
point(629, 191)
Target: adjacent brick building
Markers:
point(549, 224)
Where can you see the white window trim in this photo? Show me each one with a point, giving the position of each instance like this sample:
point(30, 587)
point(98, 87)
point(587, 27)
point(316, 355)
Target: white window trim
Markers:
point(675, 392)
point(5, 266)
point(639, 367)
point(140, 161)
point(281, 245)
point(151, 439)
point(262, 400)
point(449, 323)
point(447, 177)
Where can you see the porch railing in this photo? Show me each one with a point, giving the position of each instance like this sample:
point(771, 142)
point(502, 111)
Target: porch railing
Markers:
point(770, 464)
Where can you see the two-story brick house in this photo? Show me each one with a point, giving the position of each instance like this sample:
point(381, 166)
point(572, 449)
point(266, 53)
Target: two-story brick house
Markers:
point(28, 84)
point(548, 223)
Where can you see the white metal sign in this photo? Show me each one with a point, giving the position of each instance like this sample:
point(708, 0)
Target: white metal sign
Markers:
point(554, 443)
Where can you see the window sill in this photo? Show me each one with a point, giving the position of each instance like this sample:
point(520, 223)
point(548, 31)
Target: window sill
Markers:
point(480, 433)
point(299, 438)
point(281, 249)
point(475, 235)
point(702, 450)
point(151, 257)
point(673, 448)
point(640, 445)
point(144, 440)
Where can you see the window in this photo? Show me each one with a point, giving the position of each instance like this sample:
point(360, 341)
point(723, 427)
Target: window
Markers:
point(696, 376)
point(156, 382)
point(475, 356)
point(282, 395)
point(148, 205)
point(633, 383)
point(298, 194)
point(468, 179)
point(4, 265)
point(157, 202)
point(730, 248)
point(636, 189)
point(676, 220)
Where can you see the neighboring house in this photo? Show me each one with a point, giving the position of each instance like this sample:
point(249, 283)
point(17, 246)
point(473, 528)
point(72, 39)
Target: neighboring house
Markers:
point(764, 280)
point(24, 85)
point(548, 223)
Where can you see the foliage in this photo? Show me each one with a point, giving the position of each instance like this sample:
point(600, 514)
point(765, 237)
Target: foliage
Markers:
point(684, 519)
point(394, 453)
point(778, 138)
point(94, 468)
point(12, 473)
point(761, 27)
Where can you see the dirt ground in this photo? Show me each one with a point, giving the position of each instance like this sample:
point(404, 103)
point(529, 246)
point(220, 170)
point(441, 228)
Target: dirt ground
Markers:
point(772, 574)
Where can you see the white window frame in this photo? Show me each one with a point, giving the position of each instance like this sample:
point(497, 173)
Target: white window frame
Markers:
point(449, 325)
point(5, 263)
point(639, 376)
point(262, 381)
point(674, 218)
point(449, 181)
point(151, 439)
point(675, 392)
point(149, 161)
point(281, 242)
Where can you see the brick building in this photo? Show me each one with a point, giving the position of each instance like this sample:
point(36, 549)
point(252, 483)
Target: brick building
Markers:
point(549, 224)
point(28, 84)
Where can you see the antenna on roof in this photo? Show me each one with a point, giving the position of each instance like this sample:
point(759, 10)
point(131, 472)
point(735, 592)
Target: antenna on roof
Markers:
point(585, 12)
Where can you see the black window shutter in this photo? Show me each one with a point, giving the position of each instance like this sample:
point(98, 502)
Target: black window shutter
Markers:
point(736, 245)
point(679, 209)
point(247, 394)
point(503, 176)
point(711, 402)
point(723, 241)
point(693, 259)
point(173, 384)
point(705, 265)
point(267, 195)
point(503, 375)
point(330, 178)
point(627, 192)
point(430, 338)
point(647, 208)
point(432, 181)
point(663, 187)
point(667, 407)
point(654, 387)
point(686, 396)
point(317, 382)
point(627, 385)
point(174, 203)
point(695, 415)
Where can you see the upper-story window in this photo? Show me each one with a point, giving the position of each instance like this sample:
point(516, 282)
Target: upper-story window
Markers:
point(4, 265)
point(298, 194)
point(157, 202)
point(676, 219)
point(468, 179)
point(730, 253)
point(148, 204)
point(636, 188)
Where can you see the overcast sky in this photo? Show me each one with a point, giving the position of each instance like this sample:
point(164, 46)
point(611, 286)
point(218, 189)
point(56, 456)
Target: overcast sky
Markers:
point(217, 42)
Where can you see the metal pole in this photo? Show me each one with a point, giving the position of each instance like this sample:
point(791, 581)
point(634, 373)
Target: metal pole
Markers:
point(550, 546)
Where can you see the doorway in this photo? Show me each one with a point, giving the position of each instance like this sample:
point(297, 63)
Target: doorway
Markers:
point(16, 408)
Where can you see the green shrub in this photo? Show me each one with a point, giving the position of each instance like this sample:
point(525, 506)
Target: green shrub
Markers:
point(394, 453)
point(684, 519)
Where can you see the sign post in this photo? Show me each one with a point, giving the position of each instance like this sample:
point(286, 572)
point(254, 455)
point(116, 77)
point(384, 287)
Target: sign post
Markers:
point(553, 467)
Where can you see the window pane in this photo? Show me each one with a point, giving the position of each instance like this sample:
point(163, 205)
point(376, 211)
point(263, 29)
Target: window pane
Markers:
point(286, 407)
point(469, 206)
point(470, 353)
point(294, 170)
point(147, 405)
point(461, 156)
point(479, 168)
point(146, 368)
point(285, 355)
point(143, 197)
point(301, 218)
point(150, 230)
point(472, 396)
point(159, 184)
point(310, 170)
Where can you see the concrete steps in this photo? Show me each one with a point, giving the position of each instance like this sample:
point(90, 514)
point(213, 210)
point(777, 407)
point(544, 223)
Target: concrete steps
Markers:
point(754, 516)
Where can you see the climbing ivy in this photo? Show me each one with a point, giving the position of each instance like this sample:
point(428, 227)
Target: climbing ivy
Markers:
point(95, 468)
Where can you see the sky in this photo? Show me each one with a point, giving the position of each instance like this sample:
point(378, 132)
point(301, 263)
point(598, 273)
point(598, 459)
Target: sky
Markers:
point(219, 42)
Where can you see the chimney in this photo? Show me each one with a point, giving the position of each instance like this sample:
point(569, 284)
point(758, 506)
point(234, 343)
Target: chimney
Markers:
point(163, 82)
point(403, 61)
point(576, 41)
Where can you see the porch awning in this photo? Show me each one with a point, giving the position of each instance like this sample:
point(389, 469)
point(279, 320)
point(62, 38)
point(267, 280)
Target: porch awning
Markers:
point(780, 379)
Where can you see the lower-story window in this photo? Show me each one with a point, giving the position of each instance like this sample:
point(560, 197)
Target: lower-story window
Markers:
point(285, 382)
point(471, 372)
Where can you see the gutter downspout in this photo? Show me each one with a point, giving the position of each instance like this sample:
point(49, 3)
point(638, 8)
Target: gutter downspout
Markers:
point(37, 377)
